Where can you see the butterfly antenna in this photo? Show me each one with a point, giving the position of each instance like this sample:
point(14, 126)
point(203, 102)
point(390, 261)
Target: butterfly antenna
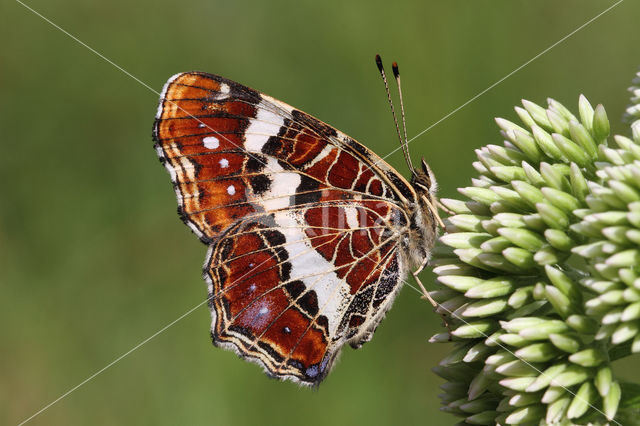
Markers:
point(405, 144)
point(393, 111)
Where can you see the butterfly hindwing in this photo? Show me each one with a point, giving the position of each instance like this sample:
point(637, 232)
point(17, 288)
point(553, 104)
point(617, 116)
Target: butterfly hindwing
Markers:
point(304, 224)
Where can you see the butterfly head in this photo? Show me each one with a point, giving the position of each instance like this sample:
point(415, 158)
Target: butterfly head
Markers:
point(424, 182)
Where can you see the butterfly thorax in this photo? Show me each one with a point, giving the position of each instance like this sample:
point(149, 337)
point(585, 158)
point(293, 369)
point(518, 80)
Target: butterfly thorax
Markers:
point(424, 226)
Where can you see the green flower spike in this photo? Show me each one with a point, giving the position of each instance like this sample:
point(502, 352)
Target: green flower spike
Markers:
point(539, 273)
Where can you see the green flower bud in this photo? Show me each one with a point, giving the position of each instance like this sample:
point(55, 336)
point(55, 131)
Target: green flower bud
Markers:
point(477, 352)
point(522, 399)
point(547, 256)
point(453, 373)
point(552, 216)
point(601, 125)
point(499, 358)
point(484, 308)
point(509, 197)
point(533, 176)
point(617, 234)
point(582, 324)
point(525, 415)
point(590, 357)
point(522, 238)
point(558, 122)
point(476, 329)
point(603, 380)
point(611, 400)
point(506, 155)
point(581, 135)
point(561, 303)
point(464, 240)
point(546, 144)
point(558, 239)
point(457, 206)
point(578, 183)
point(543, 330)
point(571, 150)
point(494, 287)
point(557, 409)
point(520, 297)
point(517, 383)
point(561, 109)
point(538, 114)
point(525, 142)
point(525, 310)
point(456, 355)
point(495, 245)
point(519, 257)
point(625, 192)
point(561, 199)
point(470, 256)
point(608, 218)
point(586, 112)
point(479, 385)
point(571, 375)
point(545, 378)
point(487, 160)
point(460, 282)
point(525, 117)
point(631, 312)
point(513, 340)
point(517, 368)
point(537, 352)
point(508, 126)
point(481, 195)
point(535, 222)
point(563, 283)
point(629, 257)
point(584, 399)
point(497, 262)
point(483, 418)
point(528, 192)
point(565, 342)
point(625, 331)
point(611, 155)
point(553, 177)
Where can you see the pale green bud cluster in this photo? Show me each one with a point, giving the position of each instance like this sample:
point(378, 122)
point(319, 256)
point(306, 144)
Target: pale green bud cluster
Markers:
point(537, 272)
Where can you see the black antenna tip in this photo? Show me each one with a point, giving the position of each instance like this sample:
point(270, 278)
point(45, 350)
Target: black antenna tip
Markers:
point(394, 67)
point(379, 62)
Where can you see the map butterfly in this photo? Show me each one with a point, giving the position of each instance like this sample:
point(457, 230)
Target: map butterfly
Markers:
point(310, 233)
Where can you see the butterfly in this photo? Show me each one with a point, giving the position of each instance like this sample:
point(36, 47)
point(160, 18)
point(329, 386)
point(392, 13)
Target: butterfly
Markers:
point(310, 233)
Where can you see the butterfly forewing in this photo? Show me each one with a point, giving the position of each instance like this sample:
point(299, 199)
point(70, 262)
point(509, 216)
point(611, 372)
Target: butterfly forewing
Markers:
point(304, 223)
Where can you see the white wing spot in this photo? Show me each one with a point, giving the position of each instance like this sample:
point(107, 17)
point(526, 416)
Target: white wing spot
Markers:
point(263, 310)
point(224, 163)
point(352, 217)
point(252, 287)
point(211, 142)
point(231, 190)
point(201, 125)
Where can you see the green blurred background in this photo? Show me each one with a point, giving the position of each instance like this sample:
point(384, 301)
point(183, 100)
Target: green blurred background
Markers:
point(93, 259)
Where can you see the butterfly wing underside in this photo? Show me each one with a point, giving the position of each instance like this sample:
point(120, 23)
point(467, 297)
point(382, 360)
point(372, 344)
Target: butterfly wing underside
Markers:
point(303, 223)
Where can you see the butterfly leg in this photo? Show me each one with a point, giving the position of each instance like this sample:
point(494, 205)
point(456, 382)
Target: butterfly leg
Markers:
point(427, 296)
point(444, 208)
